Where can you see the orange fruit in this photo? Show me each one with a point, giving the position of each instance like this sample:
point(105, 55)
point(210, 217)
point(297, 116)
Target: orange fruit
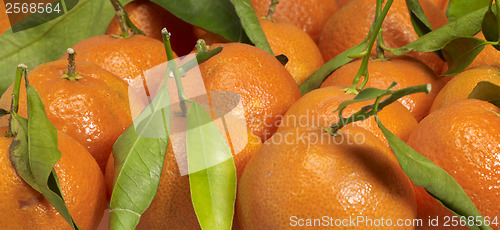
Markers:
point(209, 37)
point(317, 107)
point(93, 110)
point(404, 70)
point(128, 58)
point(350, 25)
point(4, 18)
point(341, 3)
point(308, 15)
point(488, 56)
point(460, 86)
point(172, 207)
point(305, 173)
point(82, 185)
point(463, 138)
point(266, 89)
point(151, 18)
point(303, 54)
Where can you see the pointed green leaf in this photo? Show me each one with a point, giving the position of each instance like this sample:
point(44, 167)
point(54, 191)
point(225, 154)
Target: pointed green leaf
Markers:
point(486, 91)
point(36, 45)
point(366, 94)
point(460, 52)
point(420, 22)
point(139, 154)
point(459, 8)
point(466, 26)
point(491, 27)
point(19, 149)
point(212, 173)
point(251, 24)
point(218, 16)
point(368, 111)
point(315, 80)
point(435, 180)
point(43, 154)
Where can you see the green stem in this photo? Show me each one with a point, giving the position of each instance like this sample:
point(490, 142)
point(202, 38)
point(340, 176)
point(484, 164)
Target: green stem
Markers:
point(172, 66)
point(272, 8)
point(122, 18)
point(380, 51)
point(203, 55)
point(373, 36)
point(14, 106)
point(371, 110)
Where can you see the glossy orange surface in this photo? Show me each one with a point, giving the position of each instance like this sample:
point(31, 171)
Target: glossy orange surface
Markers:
point(82, 185)
point(93, 110)
point(463, 138)
point(307, 173)
point(266, 89)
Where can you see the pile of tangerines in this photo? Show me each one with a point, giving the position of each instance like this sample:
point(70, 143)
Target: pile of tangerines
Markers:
point(284, 173)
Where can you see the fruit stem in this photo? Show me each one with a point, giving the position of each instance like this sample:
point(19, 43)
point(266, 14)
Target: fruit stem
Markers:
point(375, 28)
point(371, 110)
point(71, 62)
point(121, 17)
point(14, 106)
point(272, 8)
point(380, 40)
point(172, 68)
point(71, 74)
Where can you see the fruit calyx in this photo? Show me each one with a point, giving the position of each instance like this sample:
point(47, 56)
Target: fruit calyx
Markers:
point(71, 74)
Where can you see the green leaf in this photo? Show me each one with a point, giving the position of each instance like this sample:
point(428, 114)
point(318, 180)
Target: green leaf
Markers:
point(19, 149)
point(251, 24)
point(37, 45)
point(139, 155)
point(369, 110)
point(460, 52)
point(218, 16)
point(486, 91)
point(39, 18)
point(466, 26)
point(212, 173)
point(434, 179)
point(490, 27)
point(43, 153)
point(420, 22)
point(459, 8)
point(315, 80)
point(366, 94)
